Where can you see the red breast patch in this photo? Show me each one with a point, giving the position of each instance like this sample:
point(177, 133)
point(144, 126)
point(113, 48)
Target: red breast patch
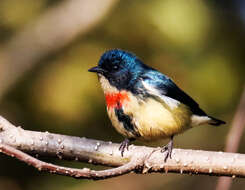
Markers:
point(116, 100)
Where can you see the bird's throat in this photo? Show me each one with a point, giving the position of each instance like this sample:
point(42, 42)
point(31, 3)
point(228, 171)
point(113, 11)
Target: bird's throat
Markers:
point(116, 100)
point(114, 97)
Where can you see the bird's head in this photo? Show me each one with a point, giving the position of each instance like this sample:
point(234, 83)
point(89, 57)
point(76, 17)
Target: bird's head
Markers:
point(119, 68)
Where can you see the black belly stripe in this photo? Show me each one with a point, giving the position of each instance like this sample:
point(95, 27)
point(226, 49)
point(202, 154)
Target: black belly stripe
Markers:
point(127, 121)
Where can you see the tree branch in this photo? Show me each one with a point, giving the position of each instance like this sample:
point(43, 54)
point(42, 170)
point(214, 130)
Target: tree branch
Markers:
point(76, 173)
point(138, 159)
point(234, 138)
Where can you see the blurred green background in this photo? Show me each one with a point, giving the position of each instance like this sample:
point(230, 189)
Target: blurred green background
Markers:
point(199, 44)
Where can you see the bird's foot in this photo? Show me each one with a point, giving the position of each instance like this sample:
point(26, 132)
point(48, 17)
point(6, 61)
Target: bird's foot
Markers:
point(124, 145)
point(168, 148)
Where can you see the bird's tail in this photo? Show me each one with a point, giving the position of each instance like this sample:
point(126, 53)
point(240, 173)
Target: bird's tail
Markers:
point(215, 122)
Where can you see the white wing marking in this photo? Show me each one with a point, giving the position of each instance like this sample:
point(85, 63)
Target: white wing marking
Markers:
point(172, 103)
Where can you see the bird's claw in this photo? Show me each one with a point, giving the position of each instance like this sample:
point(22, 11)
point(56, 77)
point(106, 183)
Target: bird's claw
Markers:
point(168, 148)
point(124, 145)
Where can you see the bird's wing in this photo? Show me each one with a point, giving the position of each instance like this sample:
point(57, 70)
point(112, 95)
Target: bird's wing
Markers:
point(160, 85)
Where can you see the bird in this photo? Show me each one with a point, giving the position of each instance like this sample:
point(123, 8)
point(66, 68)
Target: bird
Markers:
point(144, 104)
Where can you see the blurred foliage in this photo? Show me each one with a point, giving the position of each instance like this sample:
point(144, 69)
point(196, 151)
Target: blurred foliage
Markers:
point(200, 44)
point(184, 25)
point(15, 14)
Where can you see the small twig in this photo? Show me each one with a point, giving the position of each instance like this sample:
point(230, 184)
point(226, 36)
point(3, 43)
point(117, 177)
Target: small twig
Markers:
point(138, 159)
point(84, 173)
point(238, 124)
point(234, 138)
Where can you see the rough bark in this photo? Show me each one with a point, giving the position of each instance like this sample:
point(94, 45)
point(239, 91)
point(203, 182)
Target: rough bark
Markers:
point(20, 143)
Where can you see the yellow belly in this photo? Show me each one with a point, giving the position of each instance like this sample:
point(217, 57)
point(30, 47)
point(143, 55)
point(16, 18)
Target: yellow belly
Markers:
point(155, 120)
point(118, 125)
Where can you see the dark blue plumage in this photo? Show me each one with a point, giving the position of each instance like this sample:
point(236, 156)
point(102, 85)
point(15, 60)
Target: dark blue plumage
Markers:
point(122, 68)
point(143, 103)
point(168, 88)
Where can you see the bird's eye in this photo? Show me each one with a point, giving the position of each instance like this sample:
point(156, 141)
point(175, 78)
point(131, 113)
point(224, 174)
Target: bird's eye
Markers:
point(115, 67)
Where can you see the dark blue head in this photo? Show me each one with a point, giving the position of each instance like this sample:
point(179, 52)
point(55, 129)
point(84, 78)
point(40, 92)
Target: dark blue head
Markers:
point(120, 68)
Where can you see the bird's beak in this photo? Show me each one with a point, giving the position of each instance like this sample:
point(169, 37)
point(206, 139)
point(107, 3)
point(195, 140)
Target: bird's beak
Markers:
point(97, 70)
